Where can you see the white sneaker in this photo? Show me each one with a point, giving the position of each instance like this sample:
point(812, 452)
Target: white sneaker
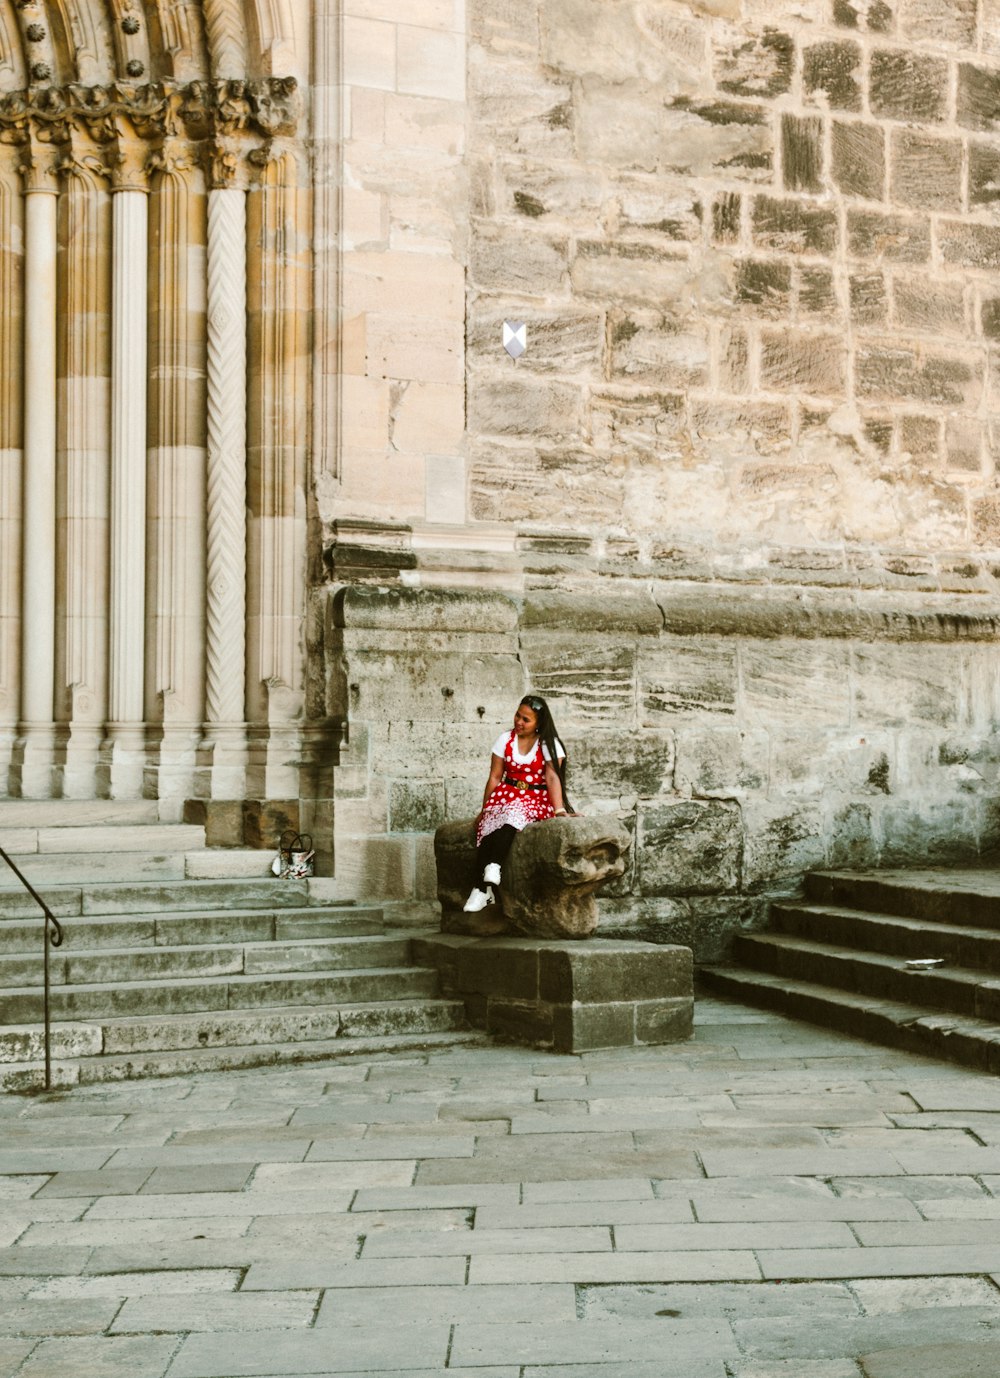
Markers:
point(479, 899)
point(492, 873)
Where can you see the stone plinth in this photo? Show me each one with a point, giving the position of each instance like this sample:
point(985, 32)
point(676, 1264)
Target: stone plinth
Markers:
point(549, 878)
point(567, 996)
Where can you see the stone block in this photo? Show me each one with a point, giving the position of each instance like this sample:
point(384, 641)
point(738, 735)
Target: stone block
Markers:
point(732, 351)
point(416, 805)
point(781, 843)
point(583, 1028)
point(817, 293)
point(727, 209)
point(984, 174)
point(939, 21)
point(592, 681)
point(523, 1021)
point(894, 238)
point(659, 349)
point(765, 285)
point(664, 1021)
point(687, 677)
point(604, 970)
point(968, 245)
point(869, 299)
point(888, 373)
point(990, 318)
point(831, 74)
point(511, 261)
point(673, 211)
point(429, 63)
point(963, 441)
point(874, 15)
point(264, 820)
point(907, 86)
point(790, 681)
point(793, 361)
point(926, 171)
point(517, 405)
point(559, 341)
point(622, 613)
point(720, 760)
point(689, 847)
point(582, 39)
point(929, 305)
point(858, 159)
point(381, 609)
point(624, 271)
point(795, 227)
point(978, 94)
point(756, 65)
point(642, 420)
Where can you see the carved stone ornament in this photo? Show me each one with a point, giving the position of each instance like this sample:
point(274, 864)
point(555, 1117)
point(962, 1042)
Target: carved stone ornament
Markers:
point(225, 117)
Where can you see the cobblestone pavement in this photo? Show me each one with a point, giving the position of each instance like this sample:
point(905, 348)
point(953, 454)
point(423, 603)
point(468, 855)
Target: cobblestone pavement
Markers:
point(768, 1201)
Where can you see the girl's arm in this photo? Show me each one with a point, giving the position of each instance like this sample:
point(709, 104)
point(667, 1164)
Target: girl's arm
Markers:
point(496, 773)
point(554, 786)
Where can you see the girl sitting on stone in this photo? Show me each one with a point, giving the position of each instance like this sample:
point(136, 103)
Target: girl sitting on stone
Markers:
point(527, 783)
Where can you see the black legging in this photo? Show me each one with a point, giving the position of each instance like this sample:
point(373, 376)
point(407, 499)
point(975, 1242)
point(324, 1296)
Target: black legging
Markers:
point(494, 848)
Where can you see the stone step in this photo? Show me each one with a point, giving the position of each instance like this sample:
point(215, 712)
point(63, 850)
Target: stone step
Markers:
point(970, 1041)
point(129, 1067)
point(230, 863)
point(169, 897)
point(908, 938)
point(957, 989)
point(107, 837)
point(76, 813)
point(118, 966)
point(21, 1005)
point(177, 930)
point(963, 896)
point(83, 868)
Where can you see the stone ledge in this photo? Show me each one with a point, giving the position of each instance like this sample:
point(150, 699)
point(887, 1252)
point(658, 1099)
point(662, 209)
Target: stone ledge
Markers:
point(567, 996)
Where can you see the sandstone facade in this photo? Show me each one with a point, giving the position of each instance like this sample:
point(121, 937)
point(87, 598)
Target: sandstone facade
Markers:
point(279, 519)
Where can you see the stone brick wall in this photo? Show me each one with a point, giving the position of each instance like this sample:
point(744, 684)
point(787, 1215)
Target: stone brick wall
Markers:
point(743, 735)
point(755, 243)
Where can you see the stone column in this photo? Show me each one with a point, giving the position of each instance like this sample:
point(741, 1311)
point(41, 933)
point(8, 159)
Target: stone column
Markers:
point(225, 712)
point(11, 383)
point(125, 743)
point(175, 568)
point(82, 433)
point(279, 299)
point(32, 769)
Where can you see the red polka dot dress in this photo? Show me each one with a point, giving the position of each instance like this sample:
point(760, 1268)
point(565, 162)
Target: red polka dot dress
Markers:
point(521, 796)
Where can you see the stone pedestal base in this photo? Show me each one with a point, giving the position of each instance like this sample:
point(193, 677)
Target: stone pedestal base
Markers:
point(568, 996)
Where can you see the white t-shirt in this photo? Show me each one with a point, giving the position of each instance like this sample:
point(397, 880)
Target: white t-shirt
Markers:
point(500, 746)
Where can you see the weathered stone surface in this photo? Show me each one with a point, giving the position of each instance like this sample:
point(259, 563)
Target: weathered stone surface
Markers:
point(756, 65)
point(549, 877)
point(984, 174)
point(869, 298)
point(907, 86)
point(939, 21)
point(830, 72)
point(937, 377)
point(926, 304)
point(817, 292)
point(926, 171)
point(689, 848)
point(970, 245)
point(796, 227)
point(895, 238)
point(858, 167)
point(799, 362)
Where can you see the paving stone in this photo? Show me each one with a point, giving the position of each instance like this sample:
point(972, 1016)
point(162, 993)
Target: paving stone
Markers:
point(139, 1284)
point(197, 1178)
point(411, 1305)
point(856, 1208)
point(777, 1162)
point(556, 1157)
point(742, 1235)
point(837, 1336)
point(144, 1356)
point(488, 1242)
point(12, 1352)
point(926, 1233)
point(613, 1189)
point(94, 1233)
point(376, 1272)
point(418, 1198)
point(61, 1317)
point(323, 1231)
point(690, 1266)
point(563, 1213)
point(971, 1162)
point(377, 1150)
point(687, 1300)
point(232, 1204)
point(883, 1296)
point(242, 1311)
point(13, 1187)
point(693, 1368)
point(36, 1160)
point(30, 1261)
point(915, 1188)
point(888, 1262)
point(206, 1155)
point(964, 1094)
point(592, 1342)
point(107, 1182)
point(957, 1360)
point(384, 1350)
point(796, 1368)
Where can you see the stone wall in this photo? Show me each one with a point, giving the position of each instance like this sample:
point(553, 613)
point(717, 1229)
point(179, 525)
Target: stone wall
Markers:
point(755, 244)
point(743, 736)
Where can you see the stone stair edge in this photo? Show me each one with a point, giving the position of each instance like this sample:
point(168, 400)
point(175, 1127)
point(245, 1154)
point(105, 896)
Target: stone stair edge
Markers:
point(789, 942)
point(226, 978)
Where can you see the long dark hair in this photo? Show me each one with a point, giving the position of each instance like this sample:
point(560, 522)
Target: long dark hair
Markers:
point(549, 738)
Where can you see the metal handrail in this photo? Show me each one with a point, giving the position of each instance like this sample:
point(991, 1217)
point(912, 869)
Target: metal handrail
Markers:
point(53, 938)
